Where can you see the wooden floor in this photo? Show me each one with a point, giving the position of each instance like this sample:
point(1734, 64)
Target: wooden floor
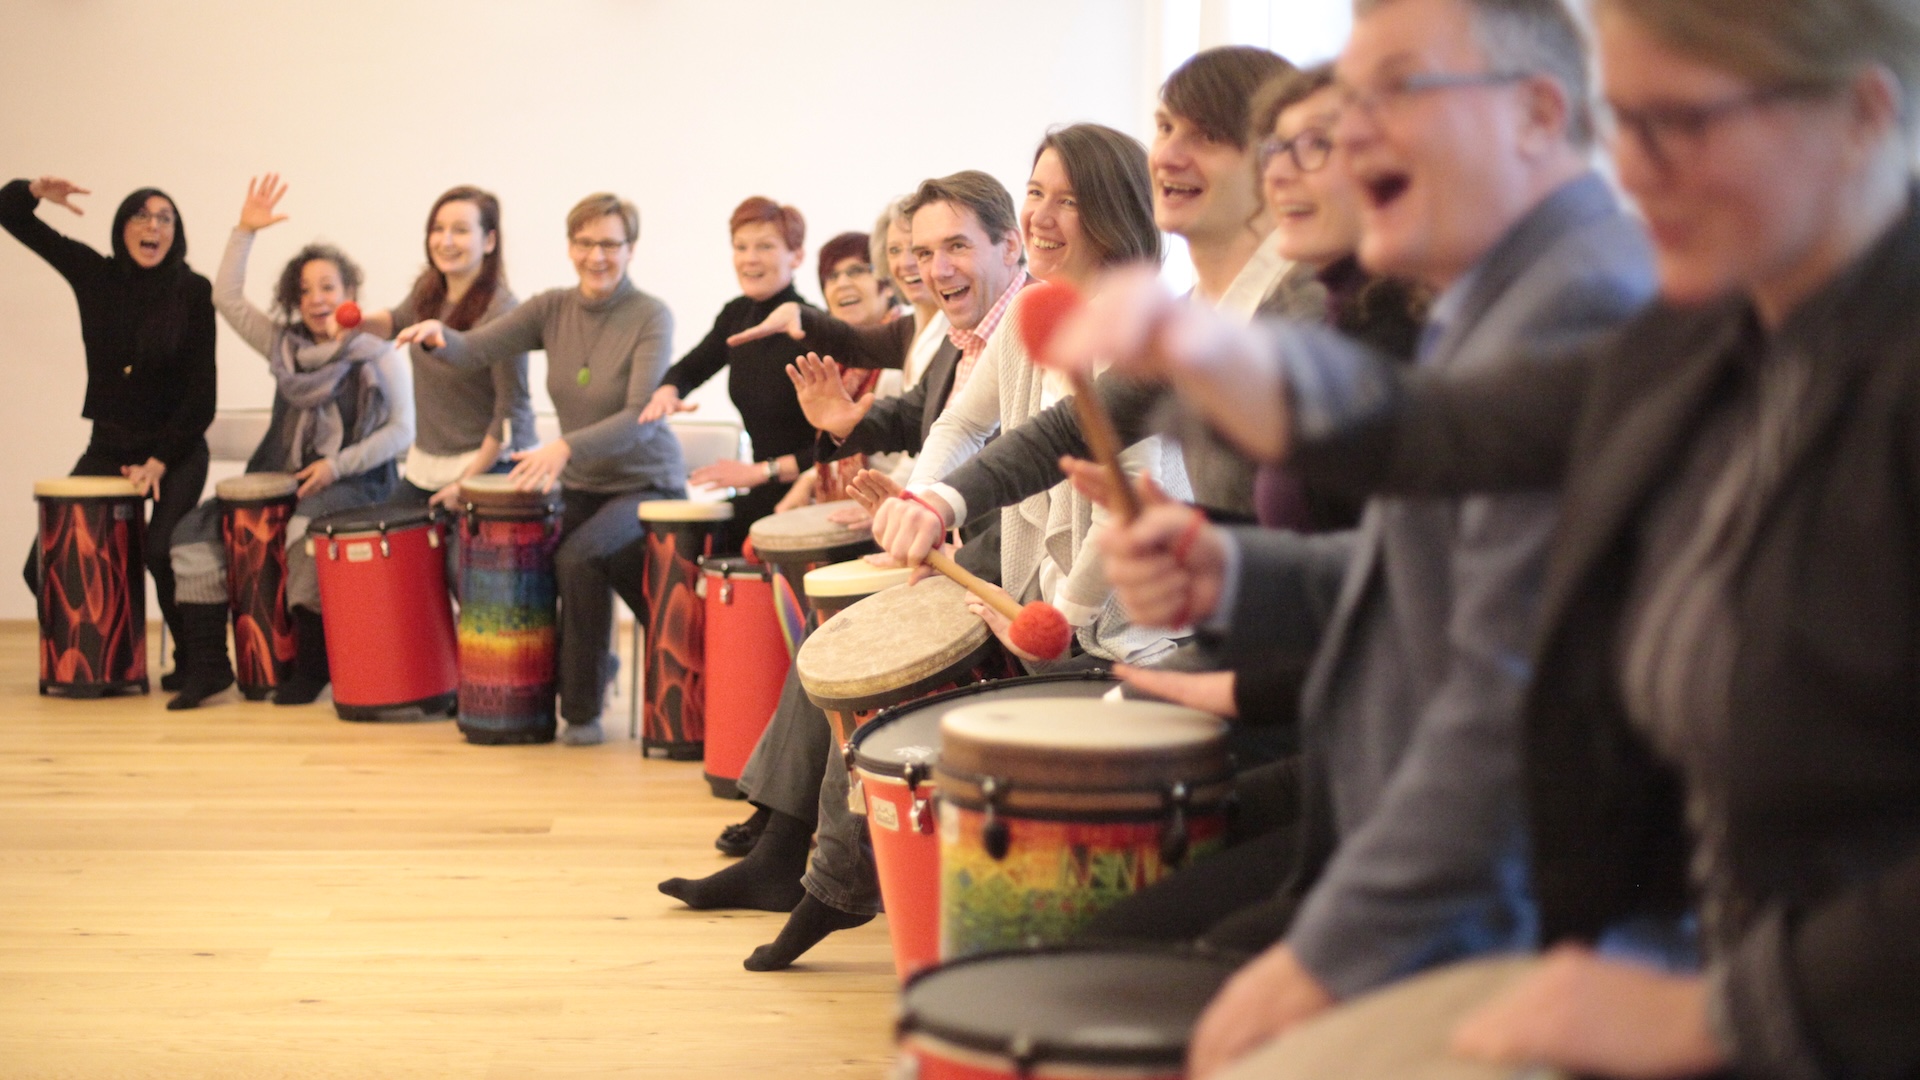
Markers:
point(251, 891)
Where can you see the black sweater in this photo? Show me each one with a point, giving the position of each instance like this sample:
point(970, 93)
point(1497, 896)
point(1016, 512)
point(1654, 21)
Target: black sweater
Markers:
point(758, 383)
point(155, 398)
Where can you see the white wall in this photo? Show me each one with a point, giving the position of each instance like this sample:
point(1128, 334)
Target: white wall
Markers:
point(371, 109)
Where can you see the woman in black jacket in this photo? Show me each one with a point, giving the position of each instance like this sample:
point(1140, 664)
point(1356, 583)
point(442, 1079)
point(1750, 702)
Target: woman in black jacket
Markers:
point(147, 321)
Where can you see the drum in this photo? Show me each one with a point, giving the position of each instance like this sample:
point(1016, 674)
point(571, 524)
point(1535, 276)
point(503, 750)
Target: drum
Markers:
point(507, 612)
point(680, 532)
point(383, 596)
point(93, 586)
point(803, 539)
point(254, 509)
point(1400, 1032)
point(1088, 1014)
point(842, 584)
point(894, 646)
point(746, 665)
point(892, 758)
point(1052, 810)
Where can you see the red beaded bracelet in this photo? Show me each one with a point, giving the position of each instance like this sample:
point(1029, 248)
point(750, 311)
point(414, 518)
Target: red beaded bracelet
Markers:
point(924, 504)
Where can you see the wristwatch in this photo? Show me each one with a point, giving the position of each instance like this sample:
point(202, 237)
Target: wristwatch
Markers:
point(773, 469)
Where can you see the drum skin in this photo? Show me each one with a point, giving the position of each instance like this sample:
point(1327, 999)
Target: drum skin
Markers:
point(893, 758)
point(254, 532)
point(1054, 1014)
point(93, 592)
point(1052, 811)
point(507, 622)
point(673, 716)
point(390, 637)
point(747, 664)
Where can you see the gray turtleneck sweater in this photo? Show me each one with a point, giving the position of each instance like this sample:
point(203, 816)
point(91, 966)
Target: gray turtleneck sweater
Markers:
point(604, 359)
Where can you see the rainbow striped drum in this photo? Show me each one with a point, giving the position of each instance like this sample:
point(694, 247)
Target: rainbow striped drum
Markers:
point(507, 612)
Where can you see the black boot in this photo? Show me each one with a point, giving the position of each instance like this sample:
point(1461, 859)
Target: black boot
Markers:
point(310, 673)
point(202, 656)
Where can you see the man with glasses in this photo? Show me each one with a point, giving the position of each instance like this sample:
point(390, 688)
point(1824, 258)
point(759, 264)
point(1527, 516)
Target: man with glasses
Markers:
point(1466, 125)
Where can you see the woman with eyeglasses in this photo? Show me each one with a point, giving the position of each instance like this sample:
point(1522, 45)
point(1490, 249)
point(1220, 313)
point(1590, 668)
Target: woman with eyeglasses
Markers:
point(467, 420)
point(146, 321)
point(768, 246)
point(606, 343)
point(1722, 711)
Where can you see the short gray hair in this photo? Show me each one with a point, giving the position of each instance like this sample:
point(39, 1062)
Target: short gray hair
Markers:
point(1532, 37)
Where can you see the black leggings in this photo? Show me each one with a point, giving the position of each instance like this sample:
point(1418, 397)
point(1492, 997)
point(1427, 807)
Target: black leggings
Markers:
point(179, 492)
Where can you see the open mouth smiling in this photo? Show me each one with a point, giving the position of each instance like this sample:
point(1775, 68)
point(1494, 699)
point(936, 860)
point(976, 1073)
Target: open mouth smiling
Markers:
point(1384, 189)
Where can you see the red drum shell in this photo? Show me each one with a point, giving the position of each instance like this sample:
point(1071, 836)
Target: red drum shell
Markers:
point(747, 664)
point(390, 635)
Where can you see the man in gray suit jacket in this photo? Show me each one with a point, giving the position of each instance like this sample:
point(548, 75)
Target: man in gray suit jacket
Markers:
point(1467, 126)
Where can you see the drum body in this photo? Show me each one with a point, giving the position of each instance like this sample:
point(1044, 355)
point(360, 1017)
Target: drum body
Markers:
point(892, 759)
point(254, 510)
point(507, 613)
point(841, 585)
point(1088, 1014)
point(383, 596)
point(747, 664)
point(93, 588)
point(805, 539)
point(896, 645)
point(1050, 811)
point(679, 534)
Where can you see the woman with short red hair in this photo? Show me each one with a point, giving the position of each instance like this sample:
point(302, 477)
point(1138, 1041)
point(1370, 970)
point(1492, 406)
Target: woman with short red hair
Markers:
point(768, 246)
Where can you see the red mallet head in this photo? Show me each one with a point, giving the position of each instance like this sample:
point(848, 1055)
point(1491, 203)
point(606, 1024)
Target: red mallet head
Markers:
point(747, 552)
point(1040, 630)
point(347, 315)
point(1042, 309)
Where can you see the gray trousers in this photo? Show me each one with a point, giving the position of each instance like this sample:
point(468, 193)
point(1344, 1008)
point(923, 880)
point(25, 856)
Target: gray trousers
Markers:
point(785, 770)
point(603, 550)
point(200, 556)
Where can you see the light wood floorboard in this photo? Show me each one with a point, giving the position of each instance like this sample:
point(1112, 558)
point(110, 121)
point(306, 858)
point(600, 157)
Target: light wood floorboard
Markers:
point(251, 891)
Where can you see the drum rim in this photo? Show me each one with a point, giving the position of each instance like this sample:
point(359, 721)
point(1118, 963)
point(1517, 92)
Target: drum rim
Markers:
point(417, 517)
point(121, 488)
point(854, 586)
point(747, 571)
point(892, 713)
point(914, 690)
point(292, 491)
point(813, 544)
point(721, 511)
point(910, 1022)
point(864, 691)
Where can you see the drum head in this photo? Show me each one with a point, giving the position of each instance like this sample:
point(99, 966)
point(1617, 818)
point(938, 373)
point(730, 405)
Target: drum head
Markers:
point(805, 534)
point(386, 517)
point(1080, 725)
point(1068, 1006)
point(891, 646)
point(685, 510)
point(256, 487)
point(495, 491)
point(1398, 1033)
point(910, 734)
point(85, 487)
point(855, 577)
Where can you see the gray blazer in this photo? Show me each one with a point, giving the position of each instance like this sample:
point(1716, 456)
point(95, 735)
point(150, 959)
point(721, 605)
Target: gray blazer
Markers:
point(1410, 715)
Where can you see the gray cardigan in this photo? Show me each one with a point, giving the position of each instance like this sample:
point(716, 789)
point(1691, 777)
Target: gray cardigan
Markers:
point(621, 342)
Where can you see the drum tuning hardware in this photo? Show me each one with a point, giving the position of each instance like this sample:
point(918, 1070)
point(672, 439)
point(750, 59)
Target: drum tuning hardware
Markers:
point(470, 522)
point(919, 809)
point(1173, 840)
point(993, 830)
point(726, 591)
point(386, 550)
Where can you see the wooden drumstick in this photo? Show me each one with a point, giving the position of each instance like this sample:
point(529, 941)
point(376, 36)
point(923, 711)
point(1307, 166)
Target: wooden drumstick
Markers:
point(1038, 628)
point(1042, 307)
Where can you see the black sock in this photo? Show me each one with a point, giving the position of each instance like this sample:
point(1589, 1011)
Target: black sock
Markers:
point(813, 920)
point(768, 879)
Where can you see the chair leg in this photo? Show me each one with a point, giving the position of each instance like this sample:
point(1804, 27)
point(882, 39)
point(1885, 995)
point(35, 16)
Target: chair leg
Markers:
point(633, 682)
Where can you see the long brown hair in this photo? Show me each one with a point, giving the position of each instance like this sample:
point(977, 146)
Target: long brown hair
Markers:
point(430, 288)
point(1108, 171)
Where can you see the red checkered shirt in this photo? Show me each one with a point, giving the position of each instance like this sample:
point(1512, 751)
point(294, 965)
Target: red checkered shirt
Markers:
point(972, 342)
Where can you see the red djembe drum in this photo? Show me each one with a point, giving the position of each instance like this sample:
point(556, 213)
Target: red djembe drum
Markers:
point(93, 592)
point(254, 511)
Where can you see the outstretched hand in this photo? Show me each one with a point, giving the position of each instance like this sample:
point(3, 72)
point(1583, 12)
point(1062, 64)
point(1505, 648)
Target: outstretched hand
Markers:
point(665, 402)
point(823, 395)
point(1208, 691)
point(263, 196)
point(784, 319)
point(871, 487)
point(430, 334)
point(58, 191)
